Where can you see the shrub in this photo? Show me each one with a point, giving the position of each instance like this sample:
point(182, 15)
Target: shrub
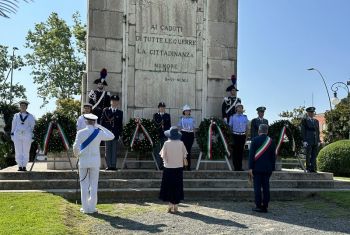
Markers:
point(335, 158)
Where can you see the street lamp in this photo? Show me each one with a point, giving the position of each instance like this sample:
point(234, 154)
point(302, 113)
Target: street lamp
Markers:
point(325, 85)
point(335, 99)
point(12, 64)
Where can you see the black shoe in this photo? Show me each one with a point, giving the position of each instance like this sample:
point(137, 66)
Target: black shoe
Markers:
point(24, 169)
point(108, 168)
point(20, 169)
point(259, 209)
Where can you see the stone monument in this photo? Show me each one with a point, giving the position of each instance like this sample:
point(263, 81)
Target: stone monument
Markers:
point(176, 51)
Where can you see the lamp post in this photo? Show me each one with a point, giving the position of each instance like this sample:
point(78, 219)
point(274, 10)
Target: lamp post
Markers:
point(335, 100)
point(325, 85)
point(12, 64)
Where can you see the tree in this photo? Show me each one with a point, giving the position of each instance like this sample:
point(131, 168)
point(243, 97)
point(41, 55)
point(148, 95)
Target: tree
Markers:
point(68, 107)
point(57, 57)
point(18, 91)
point(9, 7)
point(338, 121)
point(294, 116)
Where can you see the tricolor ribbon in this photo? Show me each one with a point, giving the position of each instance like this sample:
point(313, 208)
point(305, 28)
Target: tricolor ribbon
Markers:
point(210, 140)
point(280, 139)
point(263, 148)
point(145, 132)
point(60, 132)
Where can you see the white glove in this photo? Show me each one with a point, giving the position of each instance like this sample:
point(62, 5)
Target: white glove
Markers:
point(305, 144)
point(225, 120)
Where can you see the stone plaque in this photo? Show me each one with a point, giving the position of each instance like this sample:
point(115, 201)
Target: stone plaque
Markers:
point(165, 53)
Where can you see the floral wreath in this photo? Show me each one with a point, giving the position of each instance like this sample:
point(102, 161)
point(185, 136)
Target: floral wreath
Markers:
point(140, 135)
point(291, 142)
point(218, 129)
point(62, 131)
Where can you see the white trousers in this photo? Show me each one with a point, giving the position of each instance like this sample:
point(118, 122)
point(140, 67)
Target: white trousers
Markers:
point(88, 187)
point(22, 148)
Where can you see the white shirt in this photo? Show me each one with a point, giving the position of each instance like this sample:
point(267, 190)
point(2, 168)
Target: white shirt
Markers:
point(23, 129)
point(81, 123)
point(90, 157)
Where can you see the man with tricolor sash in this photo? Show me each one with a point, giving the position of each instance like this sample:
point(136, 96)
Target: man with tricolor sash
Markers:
point(87, 148)
point(262, 159)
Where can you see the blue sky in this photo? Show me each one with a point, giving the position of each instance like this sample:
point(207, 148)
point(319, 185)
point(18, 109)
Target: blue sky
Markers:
point(277, 41)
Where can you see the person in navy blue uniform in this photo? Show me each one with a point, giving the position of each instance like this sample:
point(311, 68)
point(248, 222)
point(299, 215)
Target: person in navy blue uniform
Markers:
point(255, 123)
point(99, 98)
point(187, 125)
point(262, 158)
point(239, 126)
point(228, 107)
point(163, 122)
point(310, 130)
point(112, 119)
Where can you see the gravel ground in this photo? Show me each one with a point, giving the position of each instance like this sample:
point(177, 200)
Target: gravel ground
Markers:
point(298, 217)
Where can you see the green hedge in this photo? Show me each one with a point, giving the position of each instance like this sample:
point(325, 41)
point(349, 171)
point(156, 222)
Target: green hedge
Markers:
point(335, 158)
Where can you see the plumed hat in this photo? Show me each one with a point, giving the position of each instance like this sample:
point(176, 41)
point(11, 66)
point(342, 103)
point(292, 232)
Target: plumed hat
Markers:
point(234, 84)
point(102, 79)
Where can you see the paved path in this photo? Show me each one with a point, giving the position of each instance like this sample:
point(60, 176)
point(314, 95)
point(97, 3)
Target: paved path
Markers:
point(302, 217)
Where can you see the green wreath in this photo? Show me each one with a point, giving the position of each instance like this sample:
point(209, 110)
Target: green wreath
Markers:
point(141, 143)
point(286, 149)
point(218, 148)
point(55, 142)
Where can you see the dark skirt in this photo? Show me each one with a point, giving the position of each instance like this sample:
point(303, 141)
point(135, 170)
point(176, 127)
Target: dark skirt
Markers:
point(171, 189)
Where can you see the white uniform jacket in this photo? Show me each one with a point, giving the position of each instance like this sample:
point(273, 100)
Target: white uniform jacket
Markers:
point(90, 156)
point(22, 130)
point(81, 123)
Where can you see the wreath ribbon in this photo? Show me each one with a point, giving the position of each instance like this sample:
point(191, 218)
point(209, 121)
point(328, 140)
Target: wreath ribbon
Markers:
point(280, 139)
point(145, 132)
point(60, 132)
point(210, 139)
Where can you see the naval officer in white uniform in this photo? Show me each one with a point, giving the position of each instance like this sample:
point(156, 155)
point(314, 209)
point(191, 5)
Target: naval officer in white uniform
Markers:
point(87, 148)
point(22, 134)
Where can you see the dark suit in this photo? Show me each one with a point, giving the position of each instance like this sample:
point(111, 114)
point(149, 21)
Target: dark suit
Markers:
point(113, 121)
point(163, 122)
point(310, 131)
point(228, 107)
point(254, 126)
point(105, 102)
point(262, 170)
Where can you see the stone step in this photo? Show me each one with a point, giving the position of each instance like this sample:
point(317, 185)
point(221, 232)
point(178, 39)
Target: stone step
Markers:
point(117, 195)
point(152, 174)
point(155, 183)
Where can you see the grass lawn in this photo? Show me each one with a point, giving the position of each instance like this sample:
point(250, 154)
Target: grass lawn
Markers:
point(38, 213)
point(44, 213)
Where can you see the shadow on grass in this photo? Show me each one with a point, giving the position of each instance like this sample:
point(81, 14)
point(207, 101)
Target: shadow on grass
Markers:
point(210, 220)
point(128, 224)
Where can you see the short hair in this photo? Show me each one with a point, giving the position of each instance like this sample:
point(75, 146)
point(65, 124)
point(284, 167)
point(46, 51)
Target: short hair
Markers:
point(263, 128)
point(90, 122)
